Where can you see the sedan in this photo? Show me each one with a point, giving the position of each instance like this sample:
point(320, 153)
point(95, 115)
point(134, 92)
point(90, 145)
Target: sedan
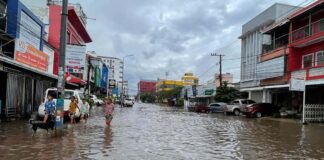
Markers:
point(217, 107)
point(261, 109)
point(202, 108)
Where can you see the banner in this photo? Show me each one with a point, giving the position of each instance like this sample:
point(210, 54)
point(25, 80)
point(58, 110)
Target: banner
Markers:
point(27, 54)
point(75, 58)
point(104, 77)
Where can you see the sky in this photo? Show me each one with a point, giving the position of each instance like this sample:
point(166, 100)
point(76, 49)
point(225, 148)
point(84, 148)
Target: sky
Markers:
point(173, 36)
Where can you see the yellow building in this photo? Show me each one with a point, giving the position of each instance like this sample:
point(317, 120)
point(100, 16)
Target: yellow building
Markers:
point(189, 79)
point(167, 85)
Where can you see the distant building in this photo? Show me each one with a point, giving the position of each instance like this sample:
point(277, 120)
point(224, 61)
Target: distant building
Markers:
point(167, 85)
point(146, 86)
point(123, 88)
point(189, 79)
point(227, 77)
point(115, 66)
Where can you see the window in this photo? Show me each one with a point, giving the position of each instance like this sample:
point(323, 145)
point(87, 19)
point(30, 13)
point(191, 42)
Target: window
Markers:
point(320, 58)
point(308, 61)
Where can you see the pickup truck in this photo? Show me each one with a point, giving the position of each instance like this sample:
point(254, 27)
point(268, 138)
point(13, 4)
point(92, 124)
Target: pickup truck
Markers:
point(237, 106)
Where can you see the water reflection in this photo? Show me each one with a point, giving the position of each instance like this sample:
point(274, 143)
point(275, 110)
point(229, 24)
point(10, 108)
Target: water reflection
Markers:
point(152, 132)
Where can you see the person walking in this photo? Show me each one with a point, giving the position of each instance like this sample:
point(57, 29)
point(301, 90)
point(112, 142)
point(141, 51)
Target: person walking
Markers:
point(109, 109)
point(84, 110)
point(72, 109)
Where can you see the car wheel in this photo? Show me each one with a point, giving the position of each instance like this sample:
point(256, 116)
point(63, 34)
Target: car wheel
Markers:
point(258, 115)
point(236, 112)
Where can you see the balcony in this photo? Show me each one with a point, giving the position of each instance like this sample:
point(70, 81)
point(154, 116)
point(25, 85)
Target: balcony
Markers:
point(310, 73)
point(315, 30)
point(277, 48)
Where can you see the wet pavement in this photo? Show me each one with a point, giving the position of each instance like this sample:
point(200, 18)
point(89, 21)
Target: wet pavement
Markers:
point(149, 131)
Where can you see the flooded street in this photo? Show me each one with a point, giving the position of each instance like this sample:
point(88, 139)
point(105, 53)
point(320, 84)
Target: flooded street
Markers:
point(149, 131)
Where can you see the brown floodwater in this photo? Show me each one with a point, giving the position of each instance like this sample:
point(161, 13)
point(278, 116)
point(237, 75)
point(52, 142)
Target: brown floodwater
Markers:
point(151, 132)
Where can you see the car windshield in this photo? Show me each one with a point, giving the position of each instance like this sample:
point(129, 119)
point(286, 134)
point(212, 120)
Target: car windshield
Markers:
point(81, 95)
point(68, 94)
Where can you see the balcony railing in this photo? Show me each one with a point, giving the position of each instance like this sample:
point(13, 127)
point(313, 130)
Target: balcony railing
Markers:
point(278, 42)
point(308, 30)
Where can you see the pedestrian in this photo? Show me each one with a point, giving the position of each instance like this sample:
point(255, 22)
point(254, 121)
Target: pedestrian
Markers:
point(49, 107)
point(72, 109)
point(109, 109)
point(84, 110)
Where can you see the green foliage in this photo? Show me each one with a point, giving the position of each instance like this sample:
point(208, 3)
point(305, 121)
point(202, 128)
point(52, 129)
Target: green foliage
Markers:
point(226, 94)
point(148, 98)
point(180, 102)
point(174, 93)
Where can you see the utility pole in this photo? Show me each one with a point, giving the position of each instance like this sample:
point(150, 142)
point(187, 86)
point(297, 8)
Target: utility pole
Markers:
point(61, 84)
point(220, 68)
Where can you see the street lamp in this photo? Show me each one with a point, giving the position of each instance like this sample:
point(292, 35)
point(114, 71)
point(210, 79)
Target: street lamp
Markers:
point(122, 89)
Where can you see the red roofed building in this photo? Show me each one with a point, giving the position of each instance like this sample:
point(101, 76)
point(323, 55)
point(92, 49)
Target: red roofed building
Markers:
point(146, 86)
point(76, 35)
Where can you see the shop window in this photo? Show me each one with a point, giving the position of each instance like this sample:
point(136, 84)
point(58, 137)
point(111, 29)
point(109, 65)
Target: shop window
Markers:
point(308, 61)
point(320, 58)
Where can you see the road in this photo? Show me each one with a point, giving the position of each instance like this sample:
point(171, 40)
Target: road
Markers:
point(149, 131)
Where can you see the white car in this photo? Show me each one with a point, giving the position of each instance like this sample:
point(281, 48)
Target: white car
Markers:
point(96, 100)
point(128, 102)
point(67, 95)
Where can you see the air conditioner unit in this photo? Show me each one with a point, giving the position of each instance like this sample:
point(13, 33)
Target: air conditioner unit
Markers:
point(266, 39)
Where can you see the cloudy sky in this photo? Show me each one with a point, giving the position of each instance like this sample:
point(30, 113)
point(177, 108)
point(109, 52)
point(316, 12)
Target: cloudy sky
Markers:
point(174, 36)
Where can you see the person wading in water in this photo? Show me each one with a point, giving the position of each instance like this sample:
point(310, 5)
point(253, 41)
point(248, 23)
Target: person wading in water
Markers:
point(109, 109)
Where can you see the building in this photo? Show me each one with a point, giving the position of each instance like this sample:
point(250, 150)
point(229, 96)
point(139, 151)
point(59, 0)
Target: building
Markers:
point(167, 85)
point(115, 66)
point(123, 87)
point(189, 79)
point(252, 42)
point(306, 50)
point(227, 77)
point(25, 60)
point(146, 86)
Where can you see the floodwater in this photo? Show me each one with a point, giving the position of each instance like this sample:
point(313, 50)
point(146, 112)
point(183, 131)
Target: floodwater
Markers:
point(151, 132)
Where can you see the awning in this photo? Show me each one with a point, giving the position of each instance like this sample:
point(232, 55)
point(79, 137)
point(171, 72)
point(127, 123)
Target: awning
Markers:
point(73, 79)
point(20, 65)
point(78, 25)
point(275, 25)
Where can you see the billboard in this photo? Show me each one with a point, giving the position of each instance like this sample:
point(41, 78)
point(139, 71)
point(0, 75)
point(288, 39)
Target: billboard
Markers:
point(112, 83)
point(75, 58)
point(30, 31)
point(27, 54)
point(104, 77)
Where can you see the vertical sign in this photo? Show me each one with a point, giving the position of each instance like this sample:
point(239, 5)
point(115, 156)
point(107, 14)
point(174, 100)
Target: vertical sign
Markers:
point(59, 113)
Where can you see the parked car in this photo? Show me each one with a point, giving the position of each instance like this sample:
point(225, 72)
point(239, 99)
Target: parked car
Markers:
point(261, 109)
point(96, 100)
point(128, 102)
point(238, 106)
point(217, 107)
point(202, 108)
point(67, 96)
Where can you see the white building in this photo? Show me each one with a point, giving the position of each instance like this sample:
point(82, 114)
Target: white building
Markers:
point(116, 69)
point(252, 41)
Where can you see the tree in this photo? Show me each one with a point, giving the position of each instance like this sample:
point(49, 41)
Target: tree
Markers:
point(147, 98)
point(226, 94)
point(174, 93)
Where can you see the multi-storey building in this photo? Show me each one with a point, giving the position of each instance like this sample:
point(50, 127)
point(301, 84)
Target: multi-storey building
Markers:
point(252, 41)
point(189, 79)
point(227, 77)
point(115, 66)
point(146, 86)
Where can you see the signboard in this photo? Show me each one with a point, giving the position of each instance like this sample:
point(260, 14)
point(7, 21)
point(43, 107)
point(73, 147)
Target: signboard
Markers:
point(50, 52)
point(112, 83)
point(104, 77)
point(59, 113)
point(75, 58)
point(209, 92)
point(27, 54)
point(297, 85)
point(30, 31)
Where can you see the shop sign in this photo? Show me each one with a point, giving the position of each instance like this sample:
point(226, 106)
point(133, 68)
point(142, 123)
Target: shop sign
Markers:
point(297, 84)
point(112, 83)
point(209, 92)
point(27, 54)
point(30, 31)
point(75, 58)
